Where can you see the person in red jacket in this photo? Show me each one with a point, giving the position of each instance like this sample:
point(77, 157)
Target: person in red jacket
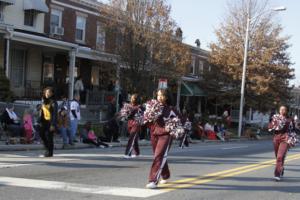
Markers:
point(161, 141)
point(134, 126)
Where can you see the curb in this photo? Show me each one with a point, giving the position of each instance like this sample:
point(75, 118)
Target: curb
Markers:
point(57, 146)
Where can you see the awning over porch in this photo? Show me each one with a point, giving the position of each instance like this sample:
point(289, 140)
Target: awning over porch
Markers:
point(36, 5)
point(191, 89)
point(8, 2)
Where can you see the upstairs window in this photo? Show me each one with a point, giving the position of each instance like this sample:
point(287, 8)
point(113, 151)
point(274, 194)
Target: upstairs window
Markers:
point(192, 66)
point(1, 12)
point(100, 37)
point(29, 17)
point(56, 17)
point(80, 28)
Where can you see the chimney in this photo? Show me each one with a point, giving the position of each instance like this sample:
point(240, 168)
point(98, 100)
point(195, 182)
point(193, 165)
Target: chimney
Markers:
point(198, 43)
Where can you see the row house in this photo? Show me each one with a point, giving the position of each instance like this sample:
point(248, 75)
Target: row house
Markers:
point(190, 95)
point(50, 42)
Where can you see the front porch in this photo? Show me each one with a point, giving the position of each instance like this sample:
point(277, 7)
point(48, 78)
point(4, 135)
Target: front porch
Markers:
point(33, 62)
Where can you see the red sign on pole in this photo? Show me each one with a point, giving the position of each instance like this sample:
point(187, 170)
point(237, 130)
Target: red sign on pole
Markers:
point(162, 83)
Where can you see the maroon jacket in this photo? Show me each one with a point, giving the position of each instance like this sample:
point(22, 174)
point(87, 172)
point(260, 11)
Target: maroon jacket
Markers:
point(285, 128)
point(133, 125)
point(159, 125)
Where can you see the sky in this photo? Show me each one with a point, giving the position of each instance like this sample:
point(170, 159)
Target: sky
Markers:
point(199, 18)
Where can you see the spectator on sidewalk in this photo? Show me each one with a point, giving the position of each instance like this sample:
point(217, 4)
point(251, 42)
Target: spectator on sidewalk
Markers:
point(74, 116)
point(209, 130)
point(11, 121)
point(65, 103)
point(28, 125)
point(199, 132)
point(88, 136)
point(63, 127)
point(36, 117)
point(79, 88)
point(111, 128)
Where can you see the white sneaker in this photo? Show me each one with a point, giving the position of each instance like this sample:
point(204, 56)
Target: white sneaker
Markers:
point(126, 156)
point(276, 178)
point(151, 185)
point(163, 181)
point(133, 156)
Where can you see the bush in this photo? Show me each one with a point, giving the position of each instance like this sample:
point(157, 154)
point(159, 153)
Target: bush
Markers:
point(5, 93)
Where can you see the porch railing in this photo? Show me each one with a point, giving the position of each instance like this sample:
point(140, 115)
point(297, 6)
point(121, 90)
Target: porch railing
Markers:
point(99, 97)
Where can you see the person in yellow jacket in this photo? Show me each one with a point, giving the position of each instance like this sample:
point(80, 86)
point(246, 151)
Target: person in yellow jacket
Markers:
point(48, 120)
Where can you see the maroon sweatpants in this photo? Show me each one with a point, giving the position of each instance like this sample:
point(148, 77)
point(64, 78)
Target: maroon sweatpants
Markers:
point(280, 147)
point(160, 145)
point(133, 144)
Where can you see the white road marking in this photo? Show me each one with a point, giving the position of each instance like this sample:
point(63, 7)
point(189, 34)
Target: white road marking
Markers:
point(81, 188)
point(13, 156)
point(10, 165)
point(10, 162)
point(240, 147)
point(98, 155)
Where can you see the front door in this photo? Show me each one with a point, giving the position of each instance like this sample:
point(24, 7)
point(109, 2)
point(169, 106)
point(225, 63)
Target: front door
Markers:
point(17, 70)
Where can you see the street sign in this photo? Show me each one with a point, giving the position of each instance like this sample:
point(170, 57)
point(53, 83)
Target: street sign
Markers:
point(162, 83)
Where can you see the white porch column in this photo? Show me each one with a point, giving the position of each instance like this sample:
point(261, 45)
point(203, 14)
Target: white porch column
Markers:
point(72, 58)
point(7, 68)
point(118, 86)
point(178, 94)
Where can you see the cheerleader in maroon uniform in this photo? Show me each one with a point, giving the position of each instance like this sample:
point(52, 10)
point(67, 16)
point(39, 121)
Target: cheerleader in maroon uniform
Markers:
point(134, 126)
point(280, 125)
point(161, 141)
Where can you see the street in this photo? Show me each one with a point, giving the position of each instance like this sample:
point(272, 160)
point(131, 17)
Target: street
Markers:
point(203, 171)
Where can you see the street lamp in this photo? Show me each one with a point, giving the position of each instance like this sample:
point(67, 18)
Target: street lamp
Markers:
point(280, 8)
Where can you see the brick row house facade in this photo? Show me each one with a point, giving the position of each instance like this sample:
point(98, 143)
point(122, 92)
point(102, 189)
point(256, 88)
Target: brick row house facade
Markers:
point(51, 42)
point(47, 42)
point(192, 96)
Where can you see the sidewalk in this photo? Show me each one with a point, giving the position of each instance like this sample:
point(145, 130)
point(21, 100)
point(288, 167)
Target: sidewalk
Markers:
point(122, 143)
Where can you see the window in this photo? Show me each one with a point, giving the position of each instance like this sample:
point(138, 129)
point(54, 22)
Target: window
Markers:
point(192, 66)
point(56, 17)
point(17, 67)
point(100, 37)
point(201, 67)
point(80, 28)
point(1, 12)
point(95, 75)
point(120, 38)
point(29, 17)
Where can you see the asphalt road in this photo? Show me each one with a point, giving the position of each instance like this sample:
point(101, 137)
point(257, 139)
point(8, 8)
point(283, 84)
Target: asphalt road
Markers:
point(235, 170)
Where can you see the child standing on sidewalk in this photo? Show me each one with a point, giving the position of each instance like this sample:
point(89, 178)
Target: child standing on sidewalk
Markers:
point(28, 125)
point(63, 127)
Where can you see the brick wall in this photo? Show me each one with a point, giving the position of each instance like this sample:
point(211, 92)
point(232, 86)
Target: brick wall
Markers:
point(69, 24)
